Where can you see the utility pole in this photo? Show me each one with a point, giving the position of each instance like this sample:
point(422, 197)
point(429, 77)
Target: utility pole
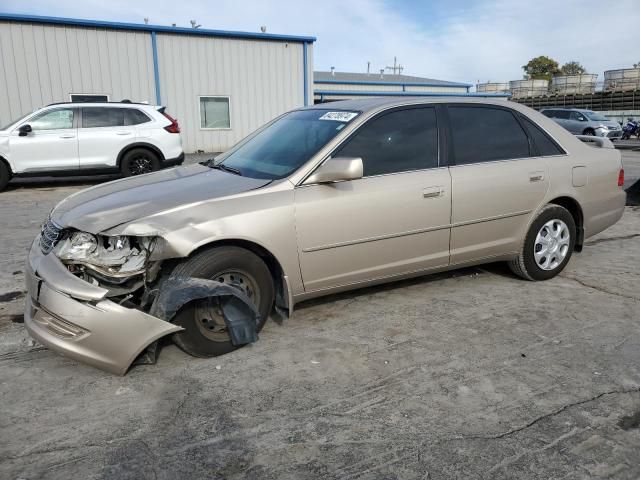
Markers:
point(397, 68)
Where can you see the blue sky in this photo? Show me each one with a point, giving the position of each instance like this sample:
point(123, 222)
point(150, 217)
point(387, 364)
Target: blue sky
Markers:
point(460, 40)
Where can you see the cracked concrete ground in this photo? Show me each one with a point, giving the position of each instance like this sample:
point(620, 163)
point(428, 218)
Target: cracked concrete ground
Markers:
point(469, 374)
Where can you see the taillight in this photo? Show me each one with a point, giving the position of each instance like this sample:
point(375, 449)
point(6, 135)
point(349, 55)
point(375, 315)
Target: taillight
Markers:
point(621, 178)
point(174, 127)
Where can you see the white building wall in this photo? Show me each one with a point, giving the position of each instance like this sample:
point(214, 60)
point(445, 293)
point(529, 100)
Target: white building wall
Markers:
point(262, 78)
point(42, 64)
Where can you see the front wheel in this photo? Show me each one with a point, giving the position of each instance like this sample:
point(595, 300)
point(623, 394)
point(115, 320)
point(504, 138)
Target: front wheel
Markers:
point(590, 132)
point(548, 245)
point(138, 161)
point(205, 331)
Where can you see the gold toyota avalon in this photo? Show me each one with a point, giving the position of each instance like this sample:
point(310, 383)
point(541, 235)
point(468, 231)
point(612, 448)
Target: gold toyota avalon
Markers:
point(322, 199)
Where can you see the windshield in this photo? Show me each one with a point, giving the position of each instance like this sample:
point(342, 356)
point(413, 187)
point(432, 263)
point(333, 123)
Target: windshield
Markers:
point(285, 145)
point(596, 117)
point(16, 121)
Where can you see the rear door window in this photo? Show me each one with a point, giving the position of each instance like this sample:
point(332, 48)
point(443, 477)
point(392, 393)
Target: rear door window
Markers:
point(562, 114)
point(485, 134)
point(96, 117)
point(399, 141)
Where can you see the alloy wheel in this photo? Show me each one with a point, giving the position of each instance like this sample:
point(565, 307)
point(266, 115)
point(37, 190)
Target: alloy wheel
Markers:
point(140, 165)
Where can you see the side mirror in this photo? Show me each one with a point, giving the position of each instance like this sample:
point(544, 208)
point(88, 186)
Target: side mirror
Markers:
point(24, 130)
point(336, 170)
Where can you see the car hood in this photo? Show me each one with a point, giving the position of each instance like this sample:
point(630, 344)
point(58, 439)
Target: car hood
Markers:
point(111, 204)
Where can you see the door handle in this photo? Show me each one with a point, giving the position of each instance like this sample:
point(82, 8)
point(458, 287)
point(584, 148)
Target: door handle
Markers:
point(123, 133)
point(433, 192)
point(536, 176)
point(67, 135)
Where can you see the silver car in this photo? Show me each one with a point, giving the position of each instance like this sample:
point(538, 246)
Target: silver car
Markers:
point(584, 122)
point(320, 200)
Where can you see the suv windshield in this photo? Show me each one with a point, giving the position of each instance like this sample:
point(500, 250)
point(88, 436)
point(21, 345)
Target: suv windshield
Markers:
point(596, 117)
point(285, 145)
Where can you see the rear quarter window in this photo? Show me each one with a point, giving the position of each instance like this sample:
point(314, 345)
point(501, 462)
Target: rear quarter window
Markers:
point(544, 144)
point(133, 116)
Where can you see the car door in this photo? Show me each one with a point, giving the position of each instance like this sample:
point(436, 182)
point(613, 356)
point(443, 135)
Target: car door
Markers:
point(102, 136)
point(496, 182)
point(52, 144)
point(576, 123)
point(392, 221)
point(563, 118)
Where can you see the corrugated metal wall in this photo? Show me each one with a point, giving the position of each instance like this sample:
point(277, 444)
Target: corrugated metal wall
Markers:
point(262, 78)
point(42, 64)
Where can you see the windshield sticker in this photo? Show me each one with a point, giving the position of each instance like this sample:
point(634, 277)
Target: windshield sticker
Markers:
point(339, 116)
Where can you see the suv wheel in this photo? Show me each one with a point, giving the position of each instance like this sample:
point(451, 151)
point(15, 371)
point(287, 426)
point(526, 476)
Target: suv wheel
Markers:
point(138, 161)
point(548, 245)
point(205, 332)
point(5, 175)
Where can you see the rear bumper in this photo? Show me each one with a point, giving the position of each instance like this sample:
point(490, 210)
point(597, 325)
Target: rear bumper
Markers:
point(172, 162)
point(90, 329)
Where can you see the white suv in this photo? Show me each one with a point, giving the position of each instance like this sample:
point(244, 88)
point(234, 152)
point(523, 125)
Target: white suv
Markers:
point(87, 138)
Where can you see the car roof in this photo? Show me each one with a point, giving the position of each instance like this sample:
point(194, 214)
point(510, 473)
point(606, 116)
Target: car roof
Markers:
point(375, 103)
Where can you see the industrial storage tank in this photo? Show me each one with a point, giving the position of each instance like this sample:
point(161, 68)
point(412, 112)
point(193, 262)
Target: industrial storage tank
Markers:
point(573, 84)
point(622, 80)
point(494, 87)
point(528, 88)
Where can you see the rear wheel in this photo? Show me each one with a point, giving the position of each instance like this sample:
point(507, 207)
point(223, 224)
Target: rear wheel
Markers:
point(548, 245)
point(5, 175)
point(138, 161)
point(205, 332)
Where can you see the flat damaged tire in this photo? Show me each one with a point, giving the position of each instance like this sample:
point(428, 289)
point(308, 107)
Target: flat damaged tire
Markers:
point(205, 333)
point(548, 245)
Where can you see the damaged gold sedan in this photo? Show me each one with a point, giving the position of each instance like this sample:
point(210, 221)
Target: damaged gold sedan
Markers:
point(320, 200)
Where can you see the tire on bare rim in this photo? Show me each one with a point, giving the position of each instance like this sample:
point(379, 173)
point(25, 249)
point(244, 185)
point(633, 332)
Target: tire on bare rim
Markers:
point(205, 333)
point(548, 245)
point(138, 161)
point(5, 175)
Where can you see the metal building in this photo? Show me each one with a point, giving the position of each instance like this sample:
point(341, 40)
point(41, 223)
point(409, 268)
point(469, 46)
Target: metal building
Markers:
point(220, 85)
point(330, 86)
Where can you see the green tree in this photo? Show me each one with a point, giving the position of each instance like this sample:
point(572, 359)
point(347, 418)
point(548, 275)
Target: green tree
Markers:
point(541, 68)
point(572, 68)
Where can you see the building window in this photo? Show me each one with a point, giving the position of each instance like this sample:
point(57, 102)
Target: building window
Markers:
point(88, 98)
point(214, 113)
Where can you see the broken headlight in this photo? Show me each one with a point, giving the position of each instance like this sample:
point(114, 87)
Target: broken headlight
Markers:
point(109, 255)
point(79, 246)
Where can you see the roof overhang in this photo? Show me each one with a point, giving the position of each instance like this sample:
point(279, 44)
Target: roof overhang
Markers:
point(355, 93)
point(76, 22)
point(382, 82)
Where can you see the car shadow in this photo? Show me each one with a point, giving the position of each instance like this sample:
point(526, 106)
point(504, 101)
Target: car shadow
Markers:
point(497, 268)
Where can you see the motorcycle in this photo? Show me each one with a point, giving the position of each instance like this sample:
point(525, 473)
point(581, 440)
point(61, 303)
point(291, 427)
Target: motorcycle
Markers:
point(631, 128)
